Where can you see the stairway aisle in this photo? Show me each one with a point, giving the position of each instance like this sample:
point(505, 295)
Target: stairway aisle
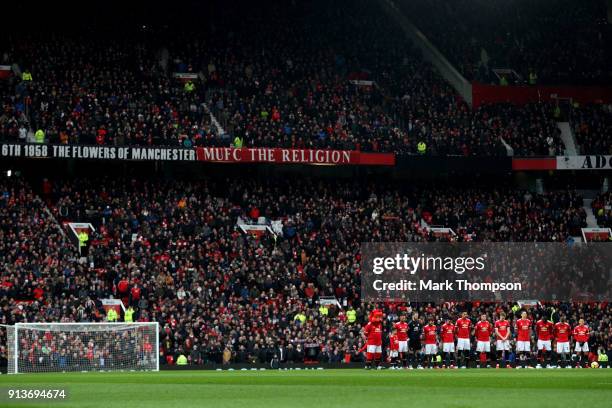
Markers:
point(590, 219)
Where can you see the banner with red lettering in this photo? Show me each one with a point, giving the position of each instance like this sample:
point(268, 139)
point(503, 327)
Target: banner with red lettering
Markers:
point(202, 154)
point(293, 156)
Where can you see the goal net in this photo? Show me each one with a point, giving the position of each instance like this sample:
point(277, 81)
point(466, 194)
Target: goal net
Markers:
point(58, 347)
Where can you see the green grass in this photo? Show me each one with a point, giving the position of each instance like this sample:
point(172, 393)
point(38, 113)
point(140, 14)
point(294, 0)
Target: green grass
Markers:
point(325, 388)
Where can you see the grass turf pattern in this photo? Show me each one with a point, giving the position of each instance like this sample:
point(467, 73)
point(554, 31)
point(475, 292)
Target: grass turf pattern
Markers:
point(323, 388)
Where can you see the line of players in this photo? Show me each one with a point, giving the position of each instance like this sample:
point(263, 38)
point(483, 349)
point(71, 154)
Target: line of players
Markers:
point(454, 338)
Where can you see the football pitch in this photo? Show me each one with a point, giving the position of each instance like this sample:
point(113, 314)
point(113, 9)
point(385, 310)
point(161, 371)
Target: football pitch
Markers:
point(322, 388)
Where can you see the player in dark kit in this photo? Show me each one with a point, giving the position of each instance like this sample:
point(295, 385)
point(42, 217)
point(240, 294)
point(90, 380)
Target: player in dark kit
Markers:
point(415, 329)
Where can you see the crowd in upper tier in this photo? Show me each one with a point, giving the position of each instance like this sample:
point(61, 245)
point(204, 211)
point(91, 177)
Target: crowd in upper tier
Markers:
point(545, 42)
point(171, 250)
point(592, 126)
point(322, 82)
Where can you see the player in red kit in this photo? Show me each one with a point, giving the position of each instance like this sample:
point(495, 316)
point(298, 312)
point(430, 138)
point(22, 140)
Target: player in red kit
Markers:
point(502, 336)
point(463, 328)
point(373, 333)
point(394, 349)
point(523, 339)
point(483, 331)
point(562, 336)
point(430, 334)
point(402, 337)
point(544, 330)
point(448, 342)
point(581, 337)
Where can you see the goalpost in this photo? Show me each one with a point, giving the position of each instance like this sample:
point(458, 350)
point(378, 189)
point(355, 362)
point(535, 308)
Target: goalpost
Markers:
point(60, 347)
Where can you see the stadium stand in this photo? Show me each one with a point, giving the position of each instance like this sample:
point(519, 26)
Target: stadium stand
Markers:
point(171, 250)
point(592, 126)
point(234, 268)
point(560, 41)
point(313, 84)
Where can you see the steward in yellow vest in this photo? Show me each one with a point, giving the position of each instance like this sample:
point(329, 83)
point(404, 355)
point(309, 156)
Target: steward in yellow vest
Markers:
point(111, 315)
point(129, 315)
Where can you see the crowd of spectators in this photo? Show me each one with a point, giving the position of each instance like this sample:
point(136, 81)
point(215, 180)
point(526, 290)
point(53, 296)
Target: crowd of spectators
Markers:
point(602, 209)
point(558, 41)
point(341, 76)
point(173, 252)
point(592, 126)
point(322, 82)
point(90, 90)
point(13, 119)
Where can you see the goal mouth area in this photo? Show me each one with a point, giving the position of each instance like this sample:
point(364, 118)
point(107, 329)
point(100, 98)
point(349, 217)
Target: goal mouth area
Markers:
point(83, 327)
point(82, 347)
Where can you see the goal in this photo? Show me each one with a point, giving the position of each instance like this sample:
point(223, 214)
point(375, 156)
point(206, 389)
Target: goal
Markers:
point(59, 347)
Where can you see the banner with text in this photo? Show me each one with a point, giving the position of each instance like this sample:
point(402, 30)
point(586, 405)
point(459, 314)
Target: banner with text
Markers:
point(202, 154)
point(590, 162)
